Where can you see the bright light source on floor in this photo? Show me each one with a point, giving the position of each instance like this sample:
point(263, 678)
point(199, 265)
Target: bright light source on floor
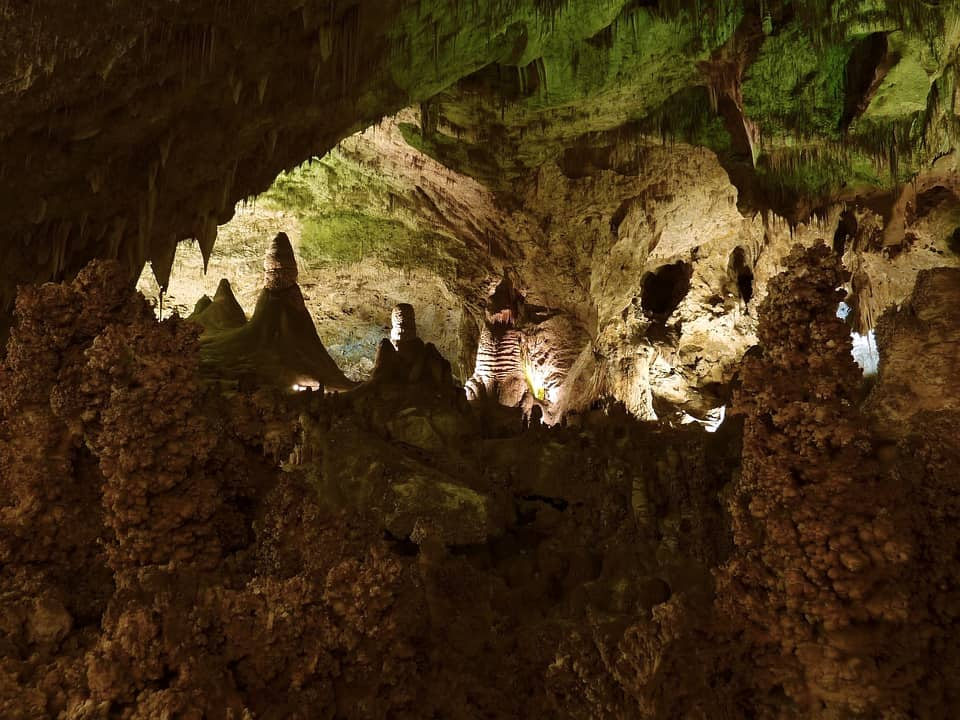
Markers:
point(305, 386)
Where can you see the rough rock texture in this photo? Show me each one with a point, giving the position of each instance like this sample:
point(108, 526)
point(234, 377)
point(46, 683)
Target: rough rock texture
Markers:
point(590, 241)
point(830, 581)
point(414, 558)
point(182, 536)
point(921, 354)
point(279, 264)
point(350, 299)
point(159, 123)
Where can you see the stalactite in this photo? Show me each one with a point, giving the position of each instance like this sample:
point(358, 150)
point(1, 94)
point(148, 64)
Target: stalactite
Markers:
point(206, 236)
point(41, 212)
point(262, 88)
point(162, 256)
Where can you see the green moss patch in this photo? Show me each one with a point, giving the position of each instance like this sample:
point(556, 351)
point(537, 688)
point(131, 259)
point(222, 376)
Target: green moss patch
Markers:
point(796, 87)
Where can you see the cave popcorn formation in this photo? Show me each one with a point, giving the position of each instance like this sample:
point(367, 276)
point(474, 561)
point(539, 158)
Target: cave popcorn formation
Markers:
point(568, 359)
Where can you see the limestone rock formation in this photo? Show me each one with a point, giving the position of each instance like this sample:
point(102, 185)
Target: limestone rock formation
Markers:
point(498, 373)
point(279, 264)
point(221, 313)
point(647, 235)
point(280, 345)
point(920, 354)
point(403, 325)
point(823, 582)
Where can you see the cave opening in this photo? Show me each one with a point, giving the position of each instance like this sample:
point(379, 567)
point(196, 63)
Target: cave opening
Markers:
point(665, 288)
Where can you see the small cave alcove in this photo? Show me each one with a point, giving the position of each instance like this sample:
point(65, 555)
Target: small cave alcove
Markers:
point(954, 242)
point(742, 273)
point(868, 64)
point(664, 289)
point(846, 231)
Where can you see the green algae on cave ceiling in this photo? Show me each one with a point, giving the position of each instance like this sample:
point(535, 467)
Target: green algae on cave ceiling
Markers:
point(511, 117)
point(347, 214)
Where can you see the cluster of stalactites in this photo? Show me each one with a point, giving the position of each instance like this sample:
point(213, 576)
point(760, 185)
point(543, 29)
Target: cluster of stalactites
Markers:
point(280, 265)
point(403, 325)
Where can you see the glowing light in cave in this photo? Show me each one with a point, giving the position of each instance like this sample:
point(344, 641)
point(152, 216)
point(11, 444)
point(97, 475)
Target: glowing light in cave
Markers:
point(305, 386)
point(865, 351)
point(537, 380)
point(712, 422)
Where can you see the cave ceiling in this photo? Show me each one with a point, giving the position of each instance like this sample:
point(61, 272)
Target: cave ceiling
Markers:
point(126, 127)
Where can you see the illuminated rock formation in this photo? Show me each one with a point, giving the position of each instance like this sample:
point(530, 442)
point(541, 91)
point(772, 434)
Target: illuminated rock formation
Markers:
point(280, 345)
point(403, 325)
point(279, 264)
point(182, 535)
point(499, 368)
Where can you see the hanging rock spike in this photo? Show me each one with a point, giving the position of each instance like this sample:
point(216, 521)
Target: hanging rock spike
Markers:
point(262, 88)
point(206, 238)
point(162, 256)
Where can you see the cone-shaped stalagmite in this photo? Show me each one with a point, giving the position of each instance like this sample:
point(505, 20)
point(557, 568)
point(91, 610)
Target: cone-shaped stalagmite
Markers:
point(280, 265)
point(405, 358)
point(221, 313)
point(280, 345)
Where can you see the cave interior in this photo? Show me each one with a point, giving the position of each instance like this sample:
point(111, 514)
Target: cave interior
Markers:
point(461, 359)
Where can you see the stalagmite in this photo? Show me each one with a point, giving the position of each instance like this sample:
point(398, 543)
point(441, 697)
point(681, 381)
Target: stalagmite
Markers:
point(499, 366)
point(221, 313)
point(280, 265)
point(499, 357)
point(404, 325)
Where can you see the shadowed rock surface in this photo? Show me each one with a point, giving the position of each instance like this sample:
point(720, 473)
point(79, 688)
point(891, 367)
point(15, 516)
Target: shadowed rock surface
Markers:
point(221, 313)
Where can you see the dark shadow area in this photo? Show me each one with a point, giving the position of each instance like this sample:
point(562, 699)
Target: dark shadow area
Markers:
point(865, 67)
point(846, 231)
point(742, 273)
point(665, 289)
